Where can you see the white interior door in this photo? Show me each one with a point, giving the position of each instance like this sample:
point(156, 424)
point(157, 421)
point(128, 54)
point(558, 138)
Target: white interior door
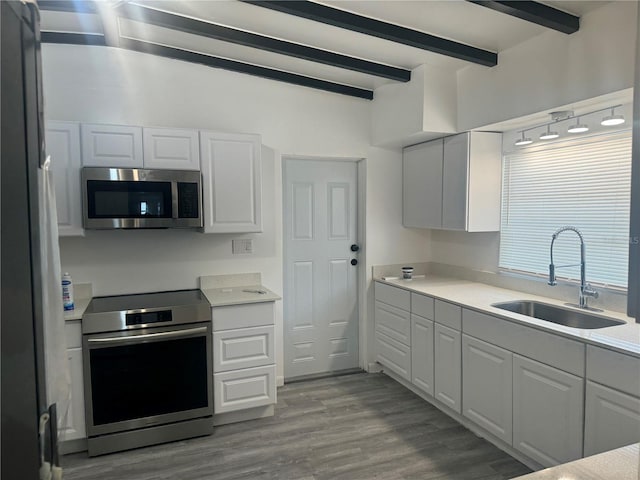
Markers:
point(320, 297)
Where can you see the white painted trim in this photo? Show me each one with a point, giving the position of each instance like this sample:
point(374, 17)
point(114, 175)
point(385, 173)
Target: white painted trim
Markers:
point(374, 367)
point(316, 158)
point(280, 381)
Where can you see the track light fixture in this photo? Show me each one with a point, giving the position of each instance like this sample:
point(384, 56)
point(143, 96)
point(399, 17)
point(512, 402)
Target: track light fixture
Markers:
point(613, 119)
point(577, 127)
point(549, 135)
point(523, 141)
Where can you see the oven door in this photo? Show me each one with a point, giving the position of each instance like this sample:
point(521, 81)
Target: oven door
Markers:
point(147, 377)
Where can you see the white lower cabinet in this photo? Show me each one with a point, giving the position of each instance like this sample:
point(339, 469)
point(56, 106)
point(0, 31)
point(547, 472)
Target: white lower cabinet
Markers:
point(242, 389)
point(447, 372)
point(612, 419)
point(547, 412)
point(393, 322)
point(487, 382)
point(244, 371)
point(74, 423)
point(422, 353)
point(393, 355)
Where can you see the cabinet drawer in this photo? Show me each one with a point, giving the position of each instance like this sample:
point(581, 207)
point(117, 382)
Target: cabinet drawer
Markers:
point(241, 389)
point(614, 369)
point(244, 348)
point(448, 314)
point(73, 334)
point(393, 355)
point(545, 347)
point(394, 296)
point(422, 305)
point(393, 322)
point(242, 316)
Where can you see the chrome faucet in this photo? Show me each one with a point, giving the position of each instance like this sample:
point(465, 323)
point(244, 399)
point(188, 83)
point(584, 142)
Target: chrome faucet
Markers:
point(585, 289)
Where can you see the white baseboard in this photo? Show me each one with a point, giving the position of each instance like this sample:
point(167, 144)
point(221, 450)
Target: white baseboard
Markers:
point(280, 381)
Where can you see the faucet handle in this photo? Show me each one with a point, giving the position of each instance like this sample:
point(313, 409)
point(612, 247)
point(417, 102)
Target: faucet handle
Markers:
point(589, 291)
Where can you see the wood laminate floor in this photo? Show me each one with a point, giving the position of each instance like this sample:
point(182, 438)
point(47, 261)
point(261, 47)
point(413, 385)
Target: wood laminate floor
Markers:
point(361, 426)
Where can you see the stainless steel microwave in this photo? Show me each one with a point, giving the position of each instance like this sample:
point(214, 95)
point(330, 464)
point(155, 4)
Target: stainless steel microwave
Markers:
point(140, 198)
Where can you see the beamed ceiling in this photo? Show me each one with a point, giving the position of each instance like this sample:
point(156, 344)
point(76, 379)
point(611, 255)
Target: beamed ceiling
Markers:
point(345, 47)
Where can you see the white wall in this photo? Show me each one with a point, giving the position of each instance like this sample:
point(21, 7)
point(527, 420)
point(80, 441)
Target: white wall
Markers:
point(553, 69)
point(104, 85)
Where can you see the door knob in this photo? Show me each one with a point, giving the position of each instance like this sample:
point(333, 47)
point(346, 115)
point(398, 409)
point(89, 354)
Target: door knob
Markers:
point(354, 262)
point(355, 248)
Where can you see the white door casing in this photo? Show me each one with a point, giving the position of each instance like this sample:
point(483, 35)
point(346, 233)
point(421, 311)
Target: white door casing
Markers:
point(320, 283)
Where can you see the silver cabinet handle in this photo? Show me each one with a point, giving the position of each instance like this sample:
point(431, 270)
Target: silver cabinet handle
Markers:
point(161, 335)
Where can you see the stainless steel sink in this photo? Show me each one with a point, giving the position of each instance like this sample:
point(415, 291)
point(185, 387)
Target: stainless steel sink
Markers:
point(562, 316)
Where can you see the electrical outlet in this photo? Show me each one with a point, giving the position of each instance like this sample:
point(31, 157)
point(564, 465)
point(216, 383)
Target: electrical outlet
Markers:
point(241, 246)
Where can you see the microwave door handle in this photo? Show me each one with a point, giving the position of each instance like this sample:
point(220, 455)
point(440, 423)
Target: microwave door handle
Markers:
point(191, 332)
point(174, 200)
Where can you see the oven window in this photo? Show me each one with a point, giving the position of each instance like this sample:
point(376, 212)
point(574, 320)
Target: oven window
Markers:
point(148, 379)
point(121, 199)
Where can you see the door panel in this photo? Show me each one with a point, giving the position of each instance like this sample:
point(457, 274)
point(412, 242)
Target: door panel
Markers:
point(321, 317)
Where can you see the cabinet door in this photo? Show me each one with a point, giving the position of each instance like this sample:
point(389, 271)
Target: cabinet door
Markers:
point(246, 388)
point(422, 353)
point(393, 322)
point(422, 185)
point(118, 146)
point(171, 148)
point(612, 419)
point(63, 145)
point(454, 182)
point(447, 378)
point(232, 182)
point(74, 423)
point(547, 412)
point(487, 386)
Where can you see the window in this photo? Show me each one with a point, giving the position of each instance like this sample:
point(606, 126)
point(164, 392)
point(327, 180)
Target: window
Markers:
point(583, 182)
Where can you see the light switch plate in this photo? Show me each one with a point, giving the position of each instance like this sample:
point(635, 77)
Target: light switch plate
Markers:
point(241, 246)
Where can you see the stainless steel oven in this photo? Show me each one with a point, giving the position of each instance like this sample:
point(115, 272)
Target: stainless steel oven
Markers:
point(147, 369)
point(130, 198)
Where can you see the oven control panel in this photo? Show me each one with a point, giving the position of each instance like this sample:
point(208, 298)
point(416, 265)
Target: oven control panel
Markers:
point(140, 318)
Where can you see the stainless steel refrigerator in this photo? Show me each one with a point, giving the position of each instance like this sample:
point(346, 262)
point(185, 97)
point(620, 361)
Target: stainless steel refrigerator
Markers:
point(23, 394)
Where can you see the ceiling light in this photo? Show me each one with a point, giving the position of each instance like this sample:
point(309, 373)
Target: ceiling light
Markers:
point(578, 127)
point(611, 120)
point(523, 140)
point(549, 135)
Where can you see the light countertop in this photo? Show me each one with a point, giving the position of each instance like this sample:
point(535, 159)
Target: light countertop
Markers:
point(219, 297)
point(81, 305)
point(619, 464)
point(478, 296)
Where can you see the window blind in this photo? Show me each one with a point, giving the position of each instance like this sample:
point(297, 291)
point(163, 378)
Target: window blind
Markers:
point(581, 182)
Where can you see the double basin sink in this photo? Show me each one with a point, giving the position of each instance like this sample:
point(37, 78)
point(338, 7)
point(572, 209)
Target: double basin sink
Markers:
point(555, 314)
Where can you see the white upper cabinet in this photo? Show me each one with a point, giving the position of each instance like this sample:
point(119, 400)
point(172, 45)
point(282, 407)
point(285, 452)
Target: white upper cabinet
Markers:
point(171, 148)
point(422, 185)
point(454, 183)
point(62, 142)
point(117, 146)
point(231, 182)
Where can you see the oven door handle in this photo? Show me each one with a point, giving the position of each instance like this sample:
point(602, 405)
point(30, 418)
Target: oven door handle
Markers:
point(149, 336)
